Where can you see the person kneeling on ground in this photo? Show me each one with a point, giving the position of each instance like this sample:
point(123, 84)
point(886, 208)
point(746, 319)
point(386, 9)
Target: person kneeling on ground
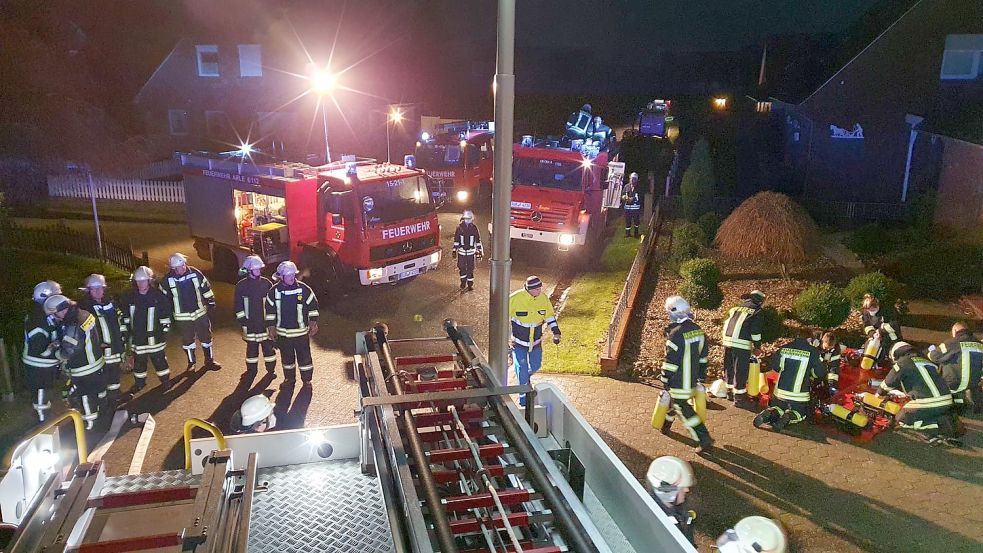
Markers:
point(797, 364)
point(961, 362)
point(930, 407)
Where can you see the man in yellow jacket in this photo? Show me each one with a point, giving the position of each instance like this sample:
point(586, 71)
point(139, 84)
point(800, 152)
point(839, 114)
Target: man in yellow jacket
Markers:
point(529, 310)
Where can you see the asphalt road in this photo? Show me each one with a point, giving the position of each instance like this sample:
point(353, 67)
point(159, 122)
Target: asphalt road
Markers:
point(411, 309)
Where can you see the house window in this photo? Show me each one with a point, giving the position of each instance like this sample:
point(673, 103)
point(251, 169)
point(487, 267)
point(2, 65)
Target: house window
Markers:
point(763, 107)
point(177, 119)
point(960, 64)
point(250, 61)
point(216, 124)
point(207, 60)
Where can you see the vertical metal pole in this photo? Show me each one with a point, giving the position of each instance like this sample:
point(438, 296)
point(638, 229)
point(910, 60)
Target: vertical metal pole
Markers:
point(95, 213)
point(324, 117)
point(389, 157)
point(501, 262)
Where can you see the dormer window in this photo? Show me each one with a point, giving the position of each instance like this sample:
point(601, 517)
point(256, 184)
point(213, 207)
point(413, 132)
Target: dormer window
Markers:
point(207, 60)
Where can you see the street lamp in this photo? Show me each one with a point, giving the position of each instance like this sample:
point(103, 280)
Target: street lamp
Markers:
point(395, 118)
point(323, 83)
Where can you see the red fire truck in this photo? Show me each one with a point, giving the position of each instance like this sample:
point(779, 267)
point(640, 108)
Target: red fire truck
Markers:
point(346, 222)
point(458, 159)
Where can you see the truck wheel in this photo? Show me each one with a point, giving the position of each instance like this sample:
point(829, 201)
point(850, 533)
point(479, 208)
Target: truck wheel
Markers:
point(322, 275)
point(225, 265)
point(202, 249)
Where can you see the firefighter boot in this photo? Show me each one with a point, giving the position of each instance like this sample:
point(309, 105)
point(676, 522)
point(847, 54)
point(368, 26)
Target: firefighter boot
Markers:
point(289, 375)
point(210, 362)
point(783, 421)
point(627, 232)
point(165, 383)
point(635, 231)
point(306, 377)
point(138, 385)
point(948, 430)
point(192, 359)
point(271, 367)
point(706, 442)
point(763, 418)
point(464, 283)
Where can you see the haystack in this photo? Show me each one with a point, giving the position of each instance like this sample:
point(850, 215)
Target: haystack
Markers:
point(769, 226)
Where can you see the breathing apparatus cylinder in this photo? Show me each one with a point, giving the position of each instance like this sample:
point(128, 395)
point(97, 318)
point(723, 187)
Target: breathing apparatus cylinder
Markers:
point(661, 410)
point(872, 350)
point(882, 404)
point(700, 402)
point(754, 377)
point(855, 418)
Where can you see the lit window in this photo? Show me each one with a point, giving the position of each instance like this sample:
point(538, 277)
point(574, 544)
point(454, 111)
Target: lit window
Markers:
point(177, 119)
point(207, 60)
point(960, 64)
point(250, 60)
point(763, 107)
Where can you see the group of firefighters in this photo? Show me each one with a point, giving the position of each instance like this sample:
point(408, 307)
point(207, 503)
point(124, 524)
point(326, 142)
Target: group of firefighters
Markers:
point(88, 339)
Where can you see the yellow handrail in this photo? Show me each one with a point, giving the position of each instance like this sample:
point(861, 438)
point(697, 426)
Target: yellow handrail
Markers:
point(204, 425)
point(76, 417)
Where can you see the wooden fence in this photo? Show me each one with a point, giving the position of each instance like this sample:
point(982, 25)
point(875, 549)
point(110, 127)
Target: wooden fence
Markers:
point(106, 188)
point(61, 239)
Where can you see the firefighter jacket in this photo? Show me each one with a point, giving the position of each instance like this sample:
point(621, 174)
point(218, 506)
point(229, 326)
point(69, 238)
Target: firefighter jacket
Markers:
point(920, 379)
point(742, 329)
point(960, 360)
point(250, 300)
point(797, 363)
point(686, 359)
point(111, 328)
point(631, 201)
point(81, 345)
point(886, 322)
point(147, 318)
point(39, 332)
point(290, 308)
point(528, 314)
point(467, 241)
point(190, 294)
point(831, 359)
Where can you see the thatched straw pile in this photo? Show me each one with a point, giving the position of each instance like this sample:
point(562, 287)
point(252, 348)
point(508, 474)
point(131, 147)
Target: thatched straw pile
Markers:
point(769, 226)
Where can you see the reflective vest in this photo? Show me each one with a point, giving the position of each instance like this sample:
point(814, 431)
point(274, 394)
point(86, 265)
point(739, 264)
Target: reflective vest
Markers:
point(631, 201)
point(39, 332)
point(147, 318)
point(742, 329)
point(797, 363)
point(467, 241)
point(190, 294)
point(882, 320)
point(920, 379)
point(250, 298)
point(81, 346)
point(528, 314)
point(961, 362)
point(110, 328)
point(686, 358)
point(290, 308)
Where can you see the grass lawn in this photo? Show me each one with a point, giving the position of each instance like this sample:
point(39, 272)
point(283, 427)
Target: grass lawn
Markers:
point(72, 208)
point(587, 313)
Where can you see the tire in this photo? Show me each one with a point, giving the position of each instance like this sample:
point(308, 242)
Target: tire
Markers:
point(225, 265)
point(322, 274)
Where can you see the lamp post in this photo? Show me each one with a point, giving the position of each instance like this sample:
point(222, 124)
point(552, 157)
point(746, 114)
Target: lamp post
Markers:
point(395, 117)
point(322, 84)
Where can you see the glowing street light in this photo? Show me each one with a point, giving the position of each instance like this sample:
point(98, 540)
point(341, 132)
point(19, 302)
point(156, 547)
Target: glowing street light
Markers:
point(323, 83)
point(720, 102)
point(395, 118)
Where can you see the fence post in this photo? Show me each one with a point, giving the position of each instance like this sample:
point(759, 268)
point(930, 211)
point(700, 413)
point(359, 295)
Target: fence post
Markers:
point(5, 379)
point(145, 259)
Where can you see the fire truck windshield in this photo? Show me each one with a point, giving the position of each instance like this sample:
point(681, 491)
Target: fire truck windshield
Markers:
point(393, 200)
point(430, 156)
point(565, 175)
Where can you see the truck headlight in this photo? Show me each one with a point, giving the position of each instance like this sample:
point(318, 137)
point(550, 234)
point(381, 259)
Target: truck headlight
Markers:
point(567, 239)
point(375, 274)
point(435, 258)
point(462, 195)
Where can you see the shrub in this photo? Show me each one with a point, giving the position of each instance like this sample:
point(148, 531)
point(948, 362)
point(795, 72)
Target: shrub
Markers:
point(941, 272)
point(710, 223)
point(822, 305)
point(885, 289)
point(688, 241)
point(772, 324)
point(870, 241)
point(769, 226)
point(698, 183)
point(698, 295)
point(700, 271)
point(700, 284)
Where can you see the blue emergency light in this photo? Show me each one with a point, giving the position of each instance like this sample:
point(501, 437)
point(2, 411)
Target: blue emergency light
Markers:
point(409, 161)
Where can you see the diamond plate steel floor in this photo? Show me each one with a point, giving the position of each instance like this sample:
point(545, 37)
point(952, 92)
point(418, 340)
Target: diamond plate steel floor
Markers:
point(329, 506)
point(149, 481)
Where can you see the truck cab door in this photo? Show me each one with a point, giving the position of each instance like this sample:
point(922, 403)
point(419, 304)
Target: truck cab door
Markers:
point(338, 217)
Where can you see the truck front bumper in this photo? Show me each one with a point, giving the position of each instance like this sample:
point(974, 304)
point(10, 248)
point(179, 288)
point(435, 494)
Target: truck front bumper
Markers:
point(390, 274)
point(562, 239)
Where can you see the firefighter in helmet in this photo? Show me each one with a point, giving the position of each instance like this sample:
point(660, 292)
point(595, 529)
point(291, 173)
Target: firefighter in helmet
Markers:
point(831, 351)
point(683, 373)
point(192, 299)
point(883, 322)
point(961, 362)
point(250, 300)
point(798, 363)
point(670, 480)
point(741, 336)
point(529, 310)
point(754, 534)
point(255, 415)
point(95, 300)
point(930, 408)
point(147, 319)
point(291, 319)
point(81, 349)
point(41, 366)
point(467, 248)
point(631, 201)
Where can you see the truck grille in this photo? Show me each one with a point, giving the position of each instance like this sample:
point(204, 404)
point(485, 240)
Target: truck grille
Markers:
point(557, 217)
point(400, 249)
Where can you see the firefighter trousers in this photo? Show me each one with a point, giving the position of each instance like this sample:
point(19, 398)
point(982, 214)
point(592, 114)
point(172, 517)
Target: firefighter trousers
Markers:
point(737, 363)
point(252, 355)
point(295, 354)
point(526, 361)
point(777, 407)
point(91, 390)
point(465, 266)
point(686, 413)
point(933, 420)
point(200, 328)
point(633, 218)
point(160, 366)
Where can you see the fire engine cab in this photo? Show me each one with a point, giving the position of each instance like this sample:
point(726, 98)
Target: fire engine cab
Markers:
point(458, 157)
point(350, 221)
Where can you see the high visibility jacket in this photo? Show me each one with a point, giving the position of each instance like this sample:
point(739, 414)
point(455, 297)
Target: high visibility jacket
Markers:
point(960, 360)
point(250, 299)
point(742, 329)
point(147, 318)
point(467, 241)
point(190, 294)
point(831, 359)
point(81, 345)
point(39, 332)
point(884, 321)
point(631, 201)
point(686, 358)
point(291, 308)
point(528, 314)
point(920, 379)
point(797, 363)
point(110, 327)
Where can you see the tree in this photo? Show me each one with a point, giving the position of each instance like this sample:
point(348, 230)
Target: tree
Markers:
point(698, 185)
point(769, 226)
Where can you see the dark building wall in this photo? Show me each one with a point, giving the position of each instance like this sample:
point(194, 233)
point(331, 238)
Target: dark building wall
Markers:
point(960, 195)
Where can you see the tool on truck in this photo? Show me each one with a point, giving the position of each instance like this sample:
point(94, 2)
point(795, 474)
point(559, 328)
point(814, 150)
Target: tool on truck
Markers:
point(439, 460)
point(350, 221)
point(458, 158)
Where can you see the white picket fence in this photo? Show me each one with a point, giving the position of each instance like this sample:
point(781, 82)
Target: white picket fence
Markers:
point(133, 189)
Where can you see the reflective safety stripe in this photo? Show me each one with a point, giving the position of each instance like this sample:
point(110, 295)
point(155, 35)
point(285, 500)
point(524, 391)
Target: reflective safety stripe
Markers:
point(149, 348)
point(291, 332)
point(39, 362)
point(682, 393)
point(306, 367)
point(791, 396)
point(666, 366)
point(252, 360)
point(87, 369)
point(269, 359)
point(925, 403)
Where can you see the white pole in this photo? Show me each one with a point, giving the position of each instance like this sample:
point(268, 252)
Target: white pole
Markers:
point(388, 154)
point(324, 116)
point(95, 213)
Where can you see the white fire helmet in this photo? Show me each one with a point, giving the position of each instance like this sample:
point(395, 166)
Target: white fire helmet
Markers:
point(754, 534)
point(899, 349)
point(95, 281)
point(176, 260)
point(667, 475)
point(633, 177)
point(56, 303)
point(253, 262)
point(287, 268)
point(255, 409)
point(143, 273)
point(678, 309)
point(44, 289)
point(467, 216)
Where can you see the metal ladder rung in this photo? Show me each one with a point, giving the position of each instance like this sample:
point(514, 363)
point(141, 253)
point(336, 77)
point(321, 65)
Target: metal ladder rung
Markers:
point(490, 451)
point(471, 525)
point(424, 420)
point(507, 497)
